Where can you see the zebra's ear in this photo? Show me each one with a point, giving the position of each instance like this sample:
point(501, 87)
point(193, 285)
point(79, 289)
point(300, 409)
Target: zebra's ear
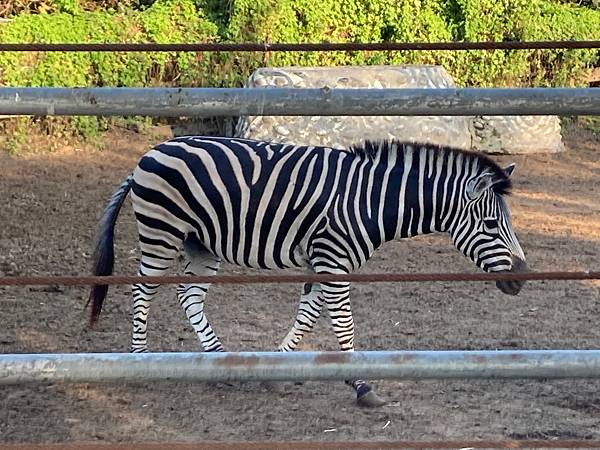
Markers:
point(509, 170)
point(477, 185)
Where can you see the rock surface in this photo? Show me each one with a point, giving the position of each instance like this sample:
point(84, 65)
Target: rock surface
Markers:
point(342, 131)
point(516, 134)
point(490, 134)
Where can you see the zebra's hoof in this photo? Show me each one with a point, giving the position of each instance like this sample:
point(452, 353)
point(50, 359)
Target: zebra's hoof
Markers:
point(269, 386)
point(370, 400)
point(220, 385)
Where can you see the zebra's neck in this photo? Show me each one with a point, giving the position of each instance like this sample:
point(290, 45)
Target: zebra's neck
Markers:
point(404, 190)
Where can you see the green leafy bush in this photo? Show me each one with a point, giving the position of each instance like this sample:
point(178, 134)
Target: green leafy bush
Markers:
point(296, 21)
point(164, 21)
point(427, 21)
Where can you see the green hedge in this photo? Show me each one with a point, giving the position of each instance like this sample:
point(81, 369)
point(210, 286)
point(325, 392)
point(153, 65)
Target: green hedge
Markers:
point(294, 21)
point(165, 21)
point(298, 21)
point(429, 21)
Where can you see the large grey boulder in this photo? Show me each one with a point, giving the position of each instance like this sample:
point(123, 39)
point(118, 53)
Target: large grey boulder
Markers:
point(491, 134)
point(342, 131)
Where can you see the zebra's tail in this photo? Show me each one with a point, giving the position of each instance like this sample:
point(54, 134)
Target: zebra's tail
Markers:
point(104, 255)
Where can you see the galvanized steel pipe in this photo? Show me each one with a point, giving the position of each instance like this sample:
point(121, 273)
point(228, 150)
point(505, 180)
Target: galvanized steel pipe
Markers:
point(277, 366)
point(294, 102)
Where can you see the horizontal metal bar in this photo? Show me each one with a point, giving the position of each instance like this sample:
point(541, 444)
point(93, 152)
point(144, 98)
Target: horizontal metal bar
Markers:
point(298, 366)
point(69, 280)
point(314, 445)
point(292, 102)
point(295, 47)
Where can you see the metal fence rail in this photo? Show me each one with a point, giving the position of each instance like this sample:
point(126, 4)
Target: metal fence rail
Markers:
point(312, 445)
point(297, 366)
point(307, 278)
point(296, 47)
point(209, 102)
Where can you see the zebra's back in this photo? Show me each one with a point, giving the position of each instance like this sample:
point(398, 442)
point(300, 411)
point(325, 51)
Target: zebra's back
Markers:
point(251, 203)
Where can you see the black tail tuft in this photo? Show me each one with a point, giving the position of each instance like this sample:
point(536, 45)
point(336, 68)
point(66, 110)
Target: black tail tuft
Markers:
point(104, 255)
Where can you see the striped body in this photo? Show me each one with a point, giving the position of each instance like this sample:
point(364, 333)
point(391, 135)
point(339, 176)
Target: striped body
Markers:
point(271, 205)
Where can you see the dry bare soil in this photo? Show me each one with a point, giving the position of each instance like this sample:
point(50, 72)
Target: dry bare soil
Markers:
point(49, 205)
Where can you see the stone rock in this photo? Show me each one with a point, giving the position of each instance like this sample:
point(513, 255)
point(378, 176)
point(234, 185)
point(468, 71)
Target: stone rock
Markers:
point(343, 131)
point(516, 134)
point(491, 134)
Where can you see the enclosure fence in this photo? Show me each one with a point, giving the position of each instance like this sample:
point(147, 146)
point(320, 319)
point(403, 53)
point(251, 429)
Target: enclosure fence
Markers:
point(102, 367)
point(324, 101)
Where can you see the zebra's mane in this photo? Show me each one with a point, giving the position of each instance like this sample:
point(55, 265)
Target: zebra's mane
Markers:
point(373, 148)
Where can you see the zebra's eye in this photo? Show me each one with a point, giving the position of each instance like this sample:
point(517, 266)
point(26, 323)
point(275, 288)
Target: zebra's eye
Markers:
point(490, 225)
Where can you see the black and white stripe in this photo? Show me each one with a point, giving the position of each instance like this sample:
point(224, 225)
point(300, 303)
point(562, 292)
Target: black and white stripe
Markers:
point(276, 206)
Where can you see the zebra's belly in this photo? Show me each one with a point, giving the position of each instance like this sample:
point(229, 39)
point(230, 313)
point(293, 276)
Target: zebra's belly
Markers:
point(250, 253)
point(231, 241)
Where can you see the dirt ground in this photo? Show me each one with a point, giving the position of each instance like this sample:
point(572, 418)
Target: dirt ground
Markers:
point(49, 207)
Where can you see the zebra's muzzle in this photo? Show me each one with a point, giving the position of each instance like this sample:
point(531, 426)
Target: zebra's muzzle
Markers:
point(513, 287)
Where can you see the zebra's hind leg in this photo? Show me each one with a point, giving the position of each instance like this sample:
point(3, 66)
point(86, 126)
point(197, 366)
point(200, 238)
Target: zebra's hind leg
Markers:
point(309, 310)
point(191, 296)
point(151, 265)
point(337, 298)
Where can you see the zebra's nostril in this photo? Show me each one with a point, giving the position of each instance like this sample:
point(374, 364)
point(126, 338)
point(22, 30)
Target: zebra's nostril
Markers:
point(519, 265)
point(513, 287)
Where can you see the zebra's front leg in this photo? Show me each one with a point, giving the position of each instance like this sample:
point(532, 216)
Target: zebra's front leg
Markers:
point(309, 310)
point(337, 298)
point(191, 298)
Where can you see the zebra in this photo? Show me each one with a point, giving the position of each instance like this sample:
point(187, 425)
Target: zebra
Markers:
point(277, 206)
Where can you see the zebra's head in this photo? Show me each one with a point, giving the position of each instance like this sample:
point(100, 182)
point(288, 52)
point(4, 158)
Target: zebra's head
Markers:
point(483, 230)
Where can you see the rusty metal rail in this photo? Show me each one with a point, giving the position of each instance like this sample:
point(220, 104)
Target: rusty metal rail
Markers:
point(300, 47)
point(297, 366)
point(303, 445)
point(308, 278)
